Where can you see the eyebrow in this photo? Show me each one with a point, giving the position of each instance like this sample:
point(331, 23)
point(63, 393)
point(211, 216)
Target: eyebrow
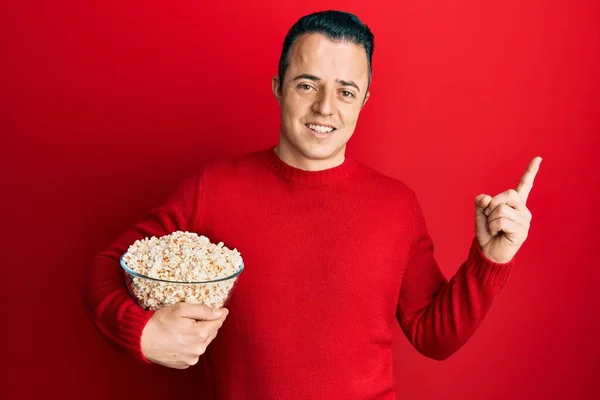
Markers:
point(316, 79)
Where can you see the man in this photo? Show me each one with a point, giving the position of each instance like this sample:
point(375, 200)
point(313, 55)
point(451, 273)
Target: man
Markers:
point(335, 253)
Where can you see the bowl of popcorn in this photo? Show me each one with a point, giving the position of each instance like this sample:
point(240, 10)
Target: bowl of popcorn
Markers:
point(180, 267)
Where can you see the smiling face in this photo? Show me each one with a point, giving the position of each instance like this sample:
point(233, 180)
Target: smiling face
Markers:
point(323, 92)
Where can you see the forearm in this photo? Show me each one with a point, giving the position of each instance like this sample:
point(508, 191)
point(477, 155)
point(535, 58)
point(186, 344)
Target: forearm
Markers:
point(111, 309)
point(106, 299)
point(439, 327)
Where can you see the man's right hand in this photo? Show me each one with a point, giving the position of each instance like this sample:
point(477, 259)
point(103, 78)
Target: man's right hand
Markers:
point(176, 336)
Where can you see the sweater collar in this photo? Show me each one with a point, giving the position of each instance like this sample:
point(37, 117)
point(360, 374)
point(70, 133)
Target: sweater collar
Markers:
point(291, 173)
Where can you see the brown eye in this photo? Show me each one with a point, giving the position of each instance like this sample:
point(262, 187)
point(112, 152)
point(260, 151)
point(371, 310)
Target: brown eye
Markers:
point(305, 86)
point(346, 93)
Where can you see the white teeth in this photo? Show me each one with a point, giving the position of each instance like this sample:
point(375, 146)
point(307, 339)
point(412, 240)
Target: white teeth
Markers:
point(319, 128)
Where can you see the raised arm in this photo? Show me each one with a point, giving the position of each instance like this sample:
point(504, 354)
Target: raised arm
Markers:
point(437, 315)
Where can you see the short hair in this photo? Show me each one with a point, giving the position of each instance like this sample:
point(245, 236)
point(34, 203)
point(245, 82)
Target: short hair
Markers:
point(335, 25)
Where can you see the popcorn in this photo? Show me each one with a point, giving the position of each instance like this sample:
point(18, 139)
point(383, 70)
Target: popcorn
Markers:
point(173, 262)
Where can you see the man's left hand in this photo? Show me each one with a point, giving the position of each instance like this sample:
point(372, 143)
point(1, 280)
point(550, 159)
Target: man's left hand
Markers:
point(502, 222)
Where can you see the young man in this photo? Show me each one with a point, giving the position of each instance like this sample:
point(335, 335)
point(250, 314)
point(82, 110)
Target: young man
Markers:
point(335, 253)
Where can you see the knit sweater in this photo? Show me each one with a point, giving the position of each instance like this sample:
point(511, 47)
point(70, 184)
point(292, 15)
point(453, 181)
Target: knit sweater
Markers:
point(333, 259)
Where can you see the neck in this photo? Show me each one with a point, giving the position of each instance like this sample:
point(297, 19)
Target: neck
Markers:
point(295, 159)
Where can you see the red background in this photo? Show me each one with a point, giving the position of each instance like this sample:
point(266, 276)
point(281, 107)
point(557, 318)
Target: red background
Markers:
point(105, 107)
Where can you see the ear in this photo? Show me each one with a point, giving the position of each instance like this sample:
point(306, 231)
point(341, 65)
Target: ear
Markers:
point(276, 86)
point(365, 100)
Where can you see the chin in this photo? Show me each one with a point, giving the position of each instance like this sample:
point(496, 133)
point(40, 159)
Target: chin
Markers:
point(319, 152)
point(311, 149)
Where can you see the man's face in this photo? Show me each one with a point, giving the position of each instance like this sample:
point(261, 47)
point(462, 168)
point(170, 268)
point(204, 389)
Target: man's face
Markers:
point(323, 92)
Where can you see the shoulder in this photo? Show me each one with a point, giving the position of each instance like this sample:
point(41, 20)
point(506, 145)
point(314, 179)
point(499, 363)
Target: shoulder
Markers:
point(231, 166)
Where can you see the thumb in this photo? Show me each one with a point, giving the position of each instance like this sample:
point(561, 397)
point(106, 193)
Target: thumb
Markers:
point(481, 203)
point(199, 312)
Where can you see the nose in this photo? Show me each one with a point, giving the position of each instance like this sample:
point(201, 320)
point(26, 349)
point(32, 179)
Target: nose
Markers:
point(324, 102)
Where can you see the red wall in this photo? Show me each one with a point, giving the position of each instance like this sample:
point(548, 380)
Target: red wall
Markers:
point(103, 108)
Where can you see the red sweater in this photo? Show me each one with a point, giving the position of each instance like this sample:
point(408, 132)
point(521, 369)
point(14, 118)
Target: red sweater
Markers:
point(333, 259)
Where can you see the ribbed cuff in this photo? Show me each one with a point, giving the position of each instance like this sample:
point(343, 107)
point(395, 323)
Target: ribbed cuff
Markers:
point(133, 323)
point(488, 272)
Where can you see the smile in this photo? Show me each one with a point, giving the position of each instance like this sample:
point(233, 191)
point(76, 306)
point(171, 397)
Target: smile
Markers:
point(320, 128)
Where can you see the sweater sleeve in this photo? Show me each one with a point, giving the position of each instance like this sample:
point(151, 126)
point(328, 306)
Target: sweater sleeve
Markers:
point(106, 300)
point(438, 315)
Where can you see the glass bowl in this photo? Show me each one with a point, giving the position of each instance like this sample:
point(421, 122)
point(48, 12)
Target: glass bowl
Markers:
point(154, 293)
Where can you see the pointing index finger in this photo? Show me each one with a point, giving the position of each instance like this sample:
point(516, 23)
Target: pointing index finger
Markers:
point(526, 183)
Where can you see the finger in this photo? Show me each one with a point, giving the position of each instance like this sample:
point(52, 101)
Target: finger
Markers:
point(206, 328)
point(212, 337)
point(481, 202)
point(202, 345)
point(509, 197)
point(199, 312)
point(504, 225)
point(505, 211)
point(526, 184)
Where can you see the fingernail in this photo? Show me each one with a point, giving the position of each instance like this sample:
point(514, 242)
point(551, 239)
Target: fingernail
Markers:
point(217, 312)
point(487, 212)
